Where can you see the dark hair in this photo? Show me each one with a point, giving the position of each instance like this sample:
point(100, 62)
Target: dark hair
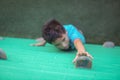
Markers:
point(52, 30)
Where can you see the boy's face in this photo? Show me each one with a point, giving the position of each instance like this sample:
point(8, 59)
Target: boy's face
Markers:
point(62, 42)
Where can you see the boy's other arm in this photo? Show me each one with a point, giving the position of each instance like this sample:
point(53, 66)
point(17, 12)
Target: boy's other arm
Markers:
point(40, 43)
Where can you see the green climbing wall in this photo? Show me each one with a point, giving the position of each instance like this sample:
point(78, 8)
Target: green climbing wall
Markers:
point(26, 62)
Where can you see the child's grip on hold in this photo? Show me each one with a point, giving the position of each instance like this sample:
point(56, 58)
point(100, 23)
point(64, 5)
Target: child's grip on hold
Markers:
point(64, 37)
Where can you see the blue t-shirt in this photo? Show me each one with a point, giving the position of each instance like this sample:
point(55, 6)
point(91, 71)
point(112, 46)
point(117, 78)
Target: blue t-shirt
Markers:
point(73, 34)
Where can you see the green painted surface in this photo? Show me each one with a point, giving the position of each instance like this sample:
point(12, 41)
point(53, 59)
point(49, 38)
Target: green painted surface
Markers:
point(48, 63)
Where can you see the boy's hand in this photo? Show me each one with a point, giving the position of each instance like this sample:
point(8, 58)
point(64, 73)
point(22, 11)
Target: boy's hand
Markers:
point(41, 42)
point(40, 39)
point(38, 44)
point(34, 44)
point(82, 54)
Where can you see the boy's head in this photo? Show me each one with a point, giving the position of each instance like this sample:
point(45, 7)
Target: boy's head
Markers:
point(54, 33)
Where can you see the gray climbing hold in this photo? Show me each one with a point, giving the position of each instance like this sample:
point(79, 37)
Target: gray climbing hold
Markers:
point(2, 55)
point(108, 44)
point(83, 62)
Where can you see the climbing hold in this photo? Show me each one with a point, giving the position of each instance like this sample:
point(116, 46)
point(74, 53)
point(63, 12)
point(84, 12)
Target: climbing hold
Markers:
point(108, 44)
point(2, 55)
point(83, 62)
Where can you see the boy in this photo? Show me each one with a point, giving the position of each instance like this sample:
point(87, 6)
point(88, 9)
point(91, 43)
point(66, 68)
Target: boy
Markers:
point(64, 37)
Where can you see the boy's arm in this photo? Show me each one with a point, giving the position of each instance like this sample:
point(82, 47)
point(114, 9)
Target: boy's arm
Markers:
point(41, 42)
point(80, 49)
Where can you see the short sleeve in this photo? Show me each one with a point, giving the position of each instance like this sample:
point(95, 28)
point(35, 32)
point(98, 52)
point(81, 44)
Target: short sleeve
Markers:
point(75, 34)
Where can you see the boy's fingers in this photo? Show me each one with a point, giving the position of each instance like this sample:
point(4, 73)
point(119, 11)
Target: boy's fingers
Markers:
point(75, 59)
point(32, 45)
point(89, 55)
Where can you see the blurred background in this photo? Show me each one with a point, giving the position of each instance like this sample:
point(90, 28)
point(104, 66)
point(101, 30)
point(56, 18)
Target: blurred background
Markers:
point(98, 19)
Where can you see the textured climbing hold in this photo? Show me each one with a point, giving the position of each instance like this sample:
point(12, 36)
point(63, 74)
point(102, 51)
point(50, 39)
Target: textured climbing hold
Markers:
point(83, 62)
point(108, 44)
point(2, 55)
